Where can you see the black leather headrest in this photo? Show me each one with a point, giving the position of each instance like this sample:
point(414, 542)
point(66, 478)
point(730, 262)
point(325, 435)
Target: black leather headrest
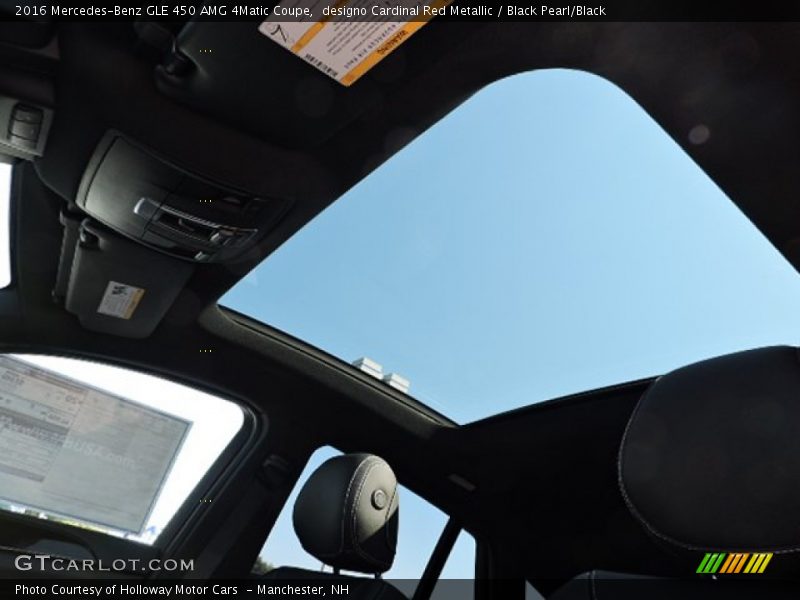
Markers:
point(711, 456)
point(347, 513)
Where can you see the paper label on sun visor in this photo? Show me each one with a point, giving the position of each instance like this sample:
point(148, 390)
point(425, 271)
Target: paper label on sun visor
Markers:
point(120, 300)
point(346, 38)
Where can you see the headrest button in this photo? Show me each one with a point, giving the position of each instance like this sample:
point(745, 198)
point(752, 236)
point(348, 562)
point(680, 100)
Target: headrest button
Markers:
point(379, 499)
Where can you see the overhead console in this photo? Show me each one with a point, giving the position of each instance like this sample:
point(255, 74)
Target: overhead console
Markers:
point(144, 226)
point(148, 199)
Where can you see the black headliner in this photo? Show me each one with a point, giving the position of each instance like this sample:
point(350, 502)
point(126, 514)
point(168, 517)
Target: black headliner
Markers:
point(739, 80)
point(545, 474)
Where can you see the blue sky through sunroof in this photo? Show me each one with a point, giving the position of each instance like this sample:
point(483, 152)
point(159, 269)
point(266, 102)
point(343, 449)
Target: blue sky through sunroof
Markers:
point(545, 238)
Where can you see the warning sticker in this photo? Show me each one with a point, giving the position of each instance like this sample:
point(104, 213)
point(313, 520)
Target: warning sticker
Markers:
point(346, 38)
point(120, 300)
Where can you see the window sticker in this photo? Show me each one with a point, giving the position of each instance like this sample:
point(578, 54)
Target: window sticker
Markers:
point(77, 451)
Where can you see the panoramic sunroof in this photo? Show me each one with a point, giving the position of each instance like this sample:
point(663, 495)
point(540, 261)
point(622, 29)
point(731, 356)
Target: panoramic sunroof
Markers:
point(5, 228)
point(545, 238)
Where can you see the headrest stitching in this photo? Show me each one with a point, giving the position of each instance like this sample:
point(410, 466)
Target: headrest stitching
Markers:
point(353, 478)
point(356, 546)
point(620, 480)
point(635, 512)
point(388, 514)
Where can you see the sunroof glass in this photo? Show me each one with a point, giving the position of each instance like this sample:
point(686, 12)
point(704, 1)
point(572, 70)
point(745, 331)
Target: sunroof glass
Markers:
point(5, 226)
point(546, 238)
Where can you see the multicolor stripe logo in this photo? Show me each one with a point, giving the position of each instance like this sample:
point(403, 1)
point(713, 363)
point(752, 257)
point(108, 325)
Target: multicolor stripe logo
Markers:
point(734, 562)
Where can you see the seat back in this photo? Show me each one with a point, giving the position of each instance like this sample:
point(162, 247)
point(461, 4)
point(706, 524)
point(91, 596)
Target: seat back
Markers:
point(710, 464)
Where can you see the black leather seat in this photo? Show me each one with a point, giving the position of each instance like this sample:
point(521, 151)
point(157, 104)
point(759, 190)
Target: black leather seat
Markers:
point(347, 515)
point(710, 463)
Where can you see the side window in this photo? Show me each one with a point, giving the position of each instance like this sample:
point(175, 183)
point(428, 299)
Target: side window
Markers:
point(421, 524)
point(531, 593)
point(458, 576)
point(5, 225)
point(282, 548)
point(102, 447)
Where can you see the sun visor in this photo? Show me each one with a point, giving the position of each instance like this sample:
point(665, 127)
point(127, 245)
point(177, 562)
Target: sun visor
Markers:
point(298, 74)
point(117, 286)
point(711, 456)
